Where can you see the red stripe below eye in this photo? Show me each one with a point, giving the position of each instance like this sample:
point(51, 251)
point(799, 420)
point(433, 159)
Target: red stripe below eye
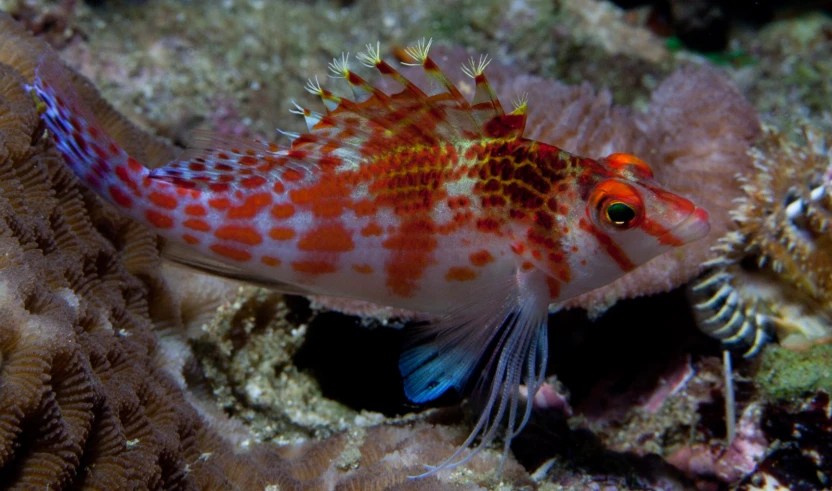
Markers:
point(610, 247)
point(653, 228)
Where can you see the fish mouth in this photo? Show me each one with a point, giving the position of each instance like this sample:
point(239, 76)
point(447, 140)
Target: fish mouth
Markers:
point(692, 228)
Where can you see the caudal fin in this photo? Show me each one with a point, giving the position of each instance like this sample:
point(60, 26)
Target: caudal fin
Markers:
point(87, 148)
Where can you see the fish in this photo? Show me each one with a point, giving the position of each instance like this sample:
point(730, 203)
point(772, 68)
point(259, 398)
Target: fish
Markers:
point(418, 199)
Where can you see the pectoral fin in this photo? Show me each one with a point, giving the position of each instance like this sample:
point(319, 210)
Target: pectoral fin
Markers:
point(503, 334)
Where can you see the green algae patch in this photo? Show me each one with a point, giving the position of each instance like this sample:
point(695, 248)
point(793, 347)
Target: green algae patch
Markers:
point(785, 374)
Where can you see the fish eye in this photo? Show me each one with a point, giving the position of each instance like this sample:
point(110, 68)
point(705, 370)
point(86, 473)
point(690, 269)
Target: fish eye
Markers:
point(616, 205)
point(619, 214)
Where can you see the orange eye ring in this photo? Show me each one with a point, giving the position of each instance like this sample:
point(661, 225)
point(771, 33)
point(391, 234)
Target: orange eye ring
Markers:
point(616, 205)
point(630, 162)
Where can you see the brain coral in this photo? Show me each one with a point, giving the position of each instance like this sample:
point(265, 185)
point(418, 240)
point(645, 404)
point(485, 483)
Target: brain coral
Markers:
point(82, 402)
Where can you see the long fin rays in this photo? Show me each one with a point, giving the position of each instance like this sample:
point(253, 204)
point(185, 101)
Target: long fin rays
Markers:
point(411, 116)
point(504, 332)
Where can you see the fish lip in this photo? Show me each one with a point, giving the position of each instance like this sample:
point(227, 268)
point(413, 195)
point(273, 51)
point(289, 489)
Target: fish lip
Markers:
point(694, 227)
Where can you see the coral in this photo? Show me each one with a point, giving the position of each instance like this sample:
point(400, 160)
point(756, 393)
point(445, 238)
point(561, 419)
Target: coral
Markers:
point(53, 20)
point(785, 374)
point(727, 464)
point(801, 458)
point(82, 400)
point(611, 33)
point(254, 334)
point(774, 273)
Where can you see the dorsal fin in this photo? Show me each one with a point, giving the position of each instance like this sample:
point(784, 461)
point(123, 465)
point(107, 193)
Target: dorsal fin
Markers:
point(508, 126)
point(351, 132)
point(220, 162)
point(407, 118)
point(485, 99)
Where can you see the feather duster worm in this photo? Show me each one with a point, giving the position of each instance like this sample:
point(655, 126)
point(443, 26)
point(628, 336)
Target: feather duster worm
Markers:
point(773, 275)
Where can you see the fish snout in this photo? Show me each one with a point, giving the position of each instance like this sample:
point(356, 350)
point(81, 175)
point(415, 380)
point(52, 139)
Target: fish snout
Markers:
point(691, 229)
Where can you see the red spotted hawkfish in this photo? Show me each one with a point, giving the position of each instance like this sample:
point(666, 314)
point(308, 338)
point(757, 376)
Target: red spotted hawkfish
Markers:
point(418, 199)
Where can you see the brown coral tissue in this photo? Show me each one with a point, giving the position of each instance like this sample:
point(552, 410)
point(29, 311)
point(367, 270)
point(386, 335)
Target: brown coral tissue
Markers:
point(82, 402)
point(801, 460)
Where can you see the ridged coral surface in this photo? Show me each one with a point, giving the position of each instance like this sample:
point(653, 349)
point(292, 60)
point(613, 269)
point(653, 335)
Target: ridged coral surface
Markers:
point(82, 402)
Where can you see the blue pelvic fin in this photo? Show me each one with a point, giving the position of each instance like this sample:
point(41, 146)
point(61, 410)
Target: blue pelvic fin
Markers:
point(505, 332)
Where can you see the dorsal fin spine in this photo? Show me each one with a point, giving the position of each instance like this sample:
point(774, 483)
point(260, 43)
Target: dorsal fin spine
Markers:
point(311, 118)
point(432, 70)
point(329, 99)
point(485, 92)
point(389, 72)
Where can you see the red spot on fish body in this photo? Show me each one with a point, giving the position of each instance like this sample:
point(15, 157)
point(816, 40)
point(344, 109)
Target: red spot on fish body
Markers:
point(120, 197)
point(554, 287)
point(372, 229)
point(232, 253)
point(219, 187)
point(124, 176)
point(314, 267)
point(158, 219)
point(365, 208)
point(253, 182)
point(282, 211)
point(411, 249)
point(197, 224)
point(292, 175)
point(270, 261)
point(236, 233)
point(481, 258)
point(161, 200)
point(282, 233)
point(327, 238)
point(488, 225)
point(195, 210)
point(250, 206)
point(219, 203)
point(301, 196)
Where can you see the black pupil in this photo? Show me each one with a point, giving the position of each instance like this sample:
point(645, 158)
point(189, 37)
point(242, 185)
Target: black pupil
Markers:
point(620, 214)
